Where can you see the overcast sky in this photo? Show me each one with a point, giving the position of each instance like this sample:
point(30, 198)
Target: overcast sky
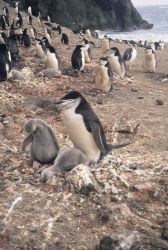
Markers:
point(149, 2)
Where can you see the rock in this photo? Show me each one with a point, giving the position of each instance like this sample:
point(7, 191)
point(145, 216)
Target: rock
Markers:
point(50, 73)
point(159, 102)
point(108, 14)
point(1, 128)
point(27, 73)
point(23, 75)
point(107, 243)
point(124, 125)
point(17, 75)
point(165, 232)
point(81, 180)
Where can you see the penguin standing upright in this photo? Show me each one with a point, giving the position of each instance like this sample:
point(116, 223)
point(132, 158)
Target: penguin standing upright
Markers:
point(48, 35)
point(39, 18)
point(26, 39)
point(129, 57)
point(104, 74)
point(117, 63)
point(105, 44)
point(78, 58)
point(52, 59)
point(16, 7)
point(13, 47)
point(87, 51)
point(150, 63)
point(65, 39)
point(48, 19)
point(29, 11)
point(83, 126)
point(6, 12)
point(29, 19)
point(33, 33)
point(39, 50)
point(19, 20)
point(88, 33)
point(5, 62)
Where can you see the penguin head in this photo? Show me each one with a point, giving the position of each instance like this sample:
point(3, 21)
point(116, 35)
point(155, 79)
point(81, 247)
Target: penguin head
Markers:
point(103, 60)
point(115, 51)
point(30, 126)
point(70, 100)
point(25, 31)
point(50, 49)
point(3, 47)
point(44, 43)
point(149, 51)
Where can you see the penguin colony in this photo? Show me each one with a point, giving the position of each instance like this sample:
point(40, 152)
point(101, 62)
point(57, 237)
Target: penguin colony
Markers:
point(81, 123)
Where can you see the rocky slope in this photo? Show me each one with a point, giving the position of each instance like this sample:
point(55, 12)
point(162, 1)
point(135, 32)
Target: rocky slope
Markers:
point(95, 14)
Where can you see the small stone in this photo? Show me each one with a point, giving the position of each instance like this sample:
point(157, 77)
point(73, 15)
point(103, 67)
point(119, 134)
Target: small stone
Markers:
point(134, 90)
point(81, 180)
point(165, 233)
point(107, 243)
point(99, 101)
point(140, 97)
point(159, 102)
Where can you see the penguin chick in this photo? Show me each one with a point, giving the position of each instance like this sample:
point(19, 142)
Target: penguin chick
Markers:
point(84, 127)
point(26, 39)
point(5, 62)
point(116, 62)
point(78, 57)
point(129, 57)
point(66, 160)
point(150, 63)
point(44, 145)
point(103, 77)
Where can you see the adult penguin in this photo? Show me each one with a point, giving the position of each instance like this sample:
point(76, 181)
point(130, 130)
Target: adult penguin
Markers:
point(78, 58)
point(129, 57)
point(117, 63)
point(5, 62)
point(84, 127)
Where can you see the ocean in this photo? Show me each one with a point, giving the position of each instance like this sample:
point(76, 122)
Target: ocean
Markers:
point(157, 15)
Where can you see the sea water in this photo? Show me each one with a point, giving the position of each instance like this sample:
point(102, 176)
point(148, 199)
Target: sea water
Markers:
point(157, 15)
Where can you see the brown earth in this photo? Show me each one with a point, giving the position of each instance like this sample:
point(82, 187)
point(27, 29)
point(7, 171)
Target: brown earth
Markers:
point(51, 216)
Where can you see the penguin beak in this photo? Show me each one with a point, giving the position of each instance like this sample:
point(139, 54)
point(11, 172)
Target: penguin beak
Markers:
point(64, 104)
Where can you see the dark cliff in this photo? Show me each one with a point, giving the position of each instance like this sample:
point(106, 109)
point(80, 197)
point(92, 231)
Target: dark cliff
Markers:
point(95, 14)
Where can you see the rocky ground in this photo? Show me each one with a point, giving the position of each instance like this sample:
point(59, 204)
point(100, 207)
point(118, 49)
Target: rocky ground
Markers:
point(128, 196)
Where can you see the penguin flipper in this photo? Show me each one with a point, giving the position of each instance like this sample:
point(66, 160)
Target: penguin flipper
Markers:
point(98, 136)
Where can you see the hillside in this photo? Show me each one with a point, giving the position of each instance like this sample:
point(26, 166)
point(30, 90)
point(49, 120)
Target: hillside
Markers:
point(95, 14)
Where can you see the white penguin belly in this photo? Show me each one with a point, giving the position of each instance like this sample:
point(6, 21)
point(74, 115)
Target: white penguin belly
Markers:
point(116, 66)
point(128, 64)
point(52, 62)
point(105, 45)
point(80, 136)
point(39, 51)
point(150, 63)
point(83, 60)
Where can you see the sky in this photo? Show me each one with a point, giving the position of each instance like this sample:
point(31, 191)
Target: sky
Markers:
point(149, 2)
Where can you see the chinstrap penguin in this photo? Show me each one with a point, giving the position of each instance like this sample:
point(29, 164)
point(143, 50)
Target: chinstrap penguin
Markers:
point(116, 61)
point(84, 127)
point(104, 74)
